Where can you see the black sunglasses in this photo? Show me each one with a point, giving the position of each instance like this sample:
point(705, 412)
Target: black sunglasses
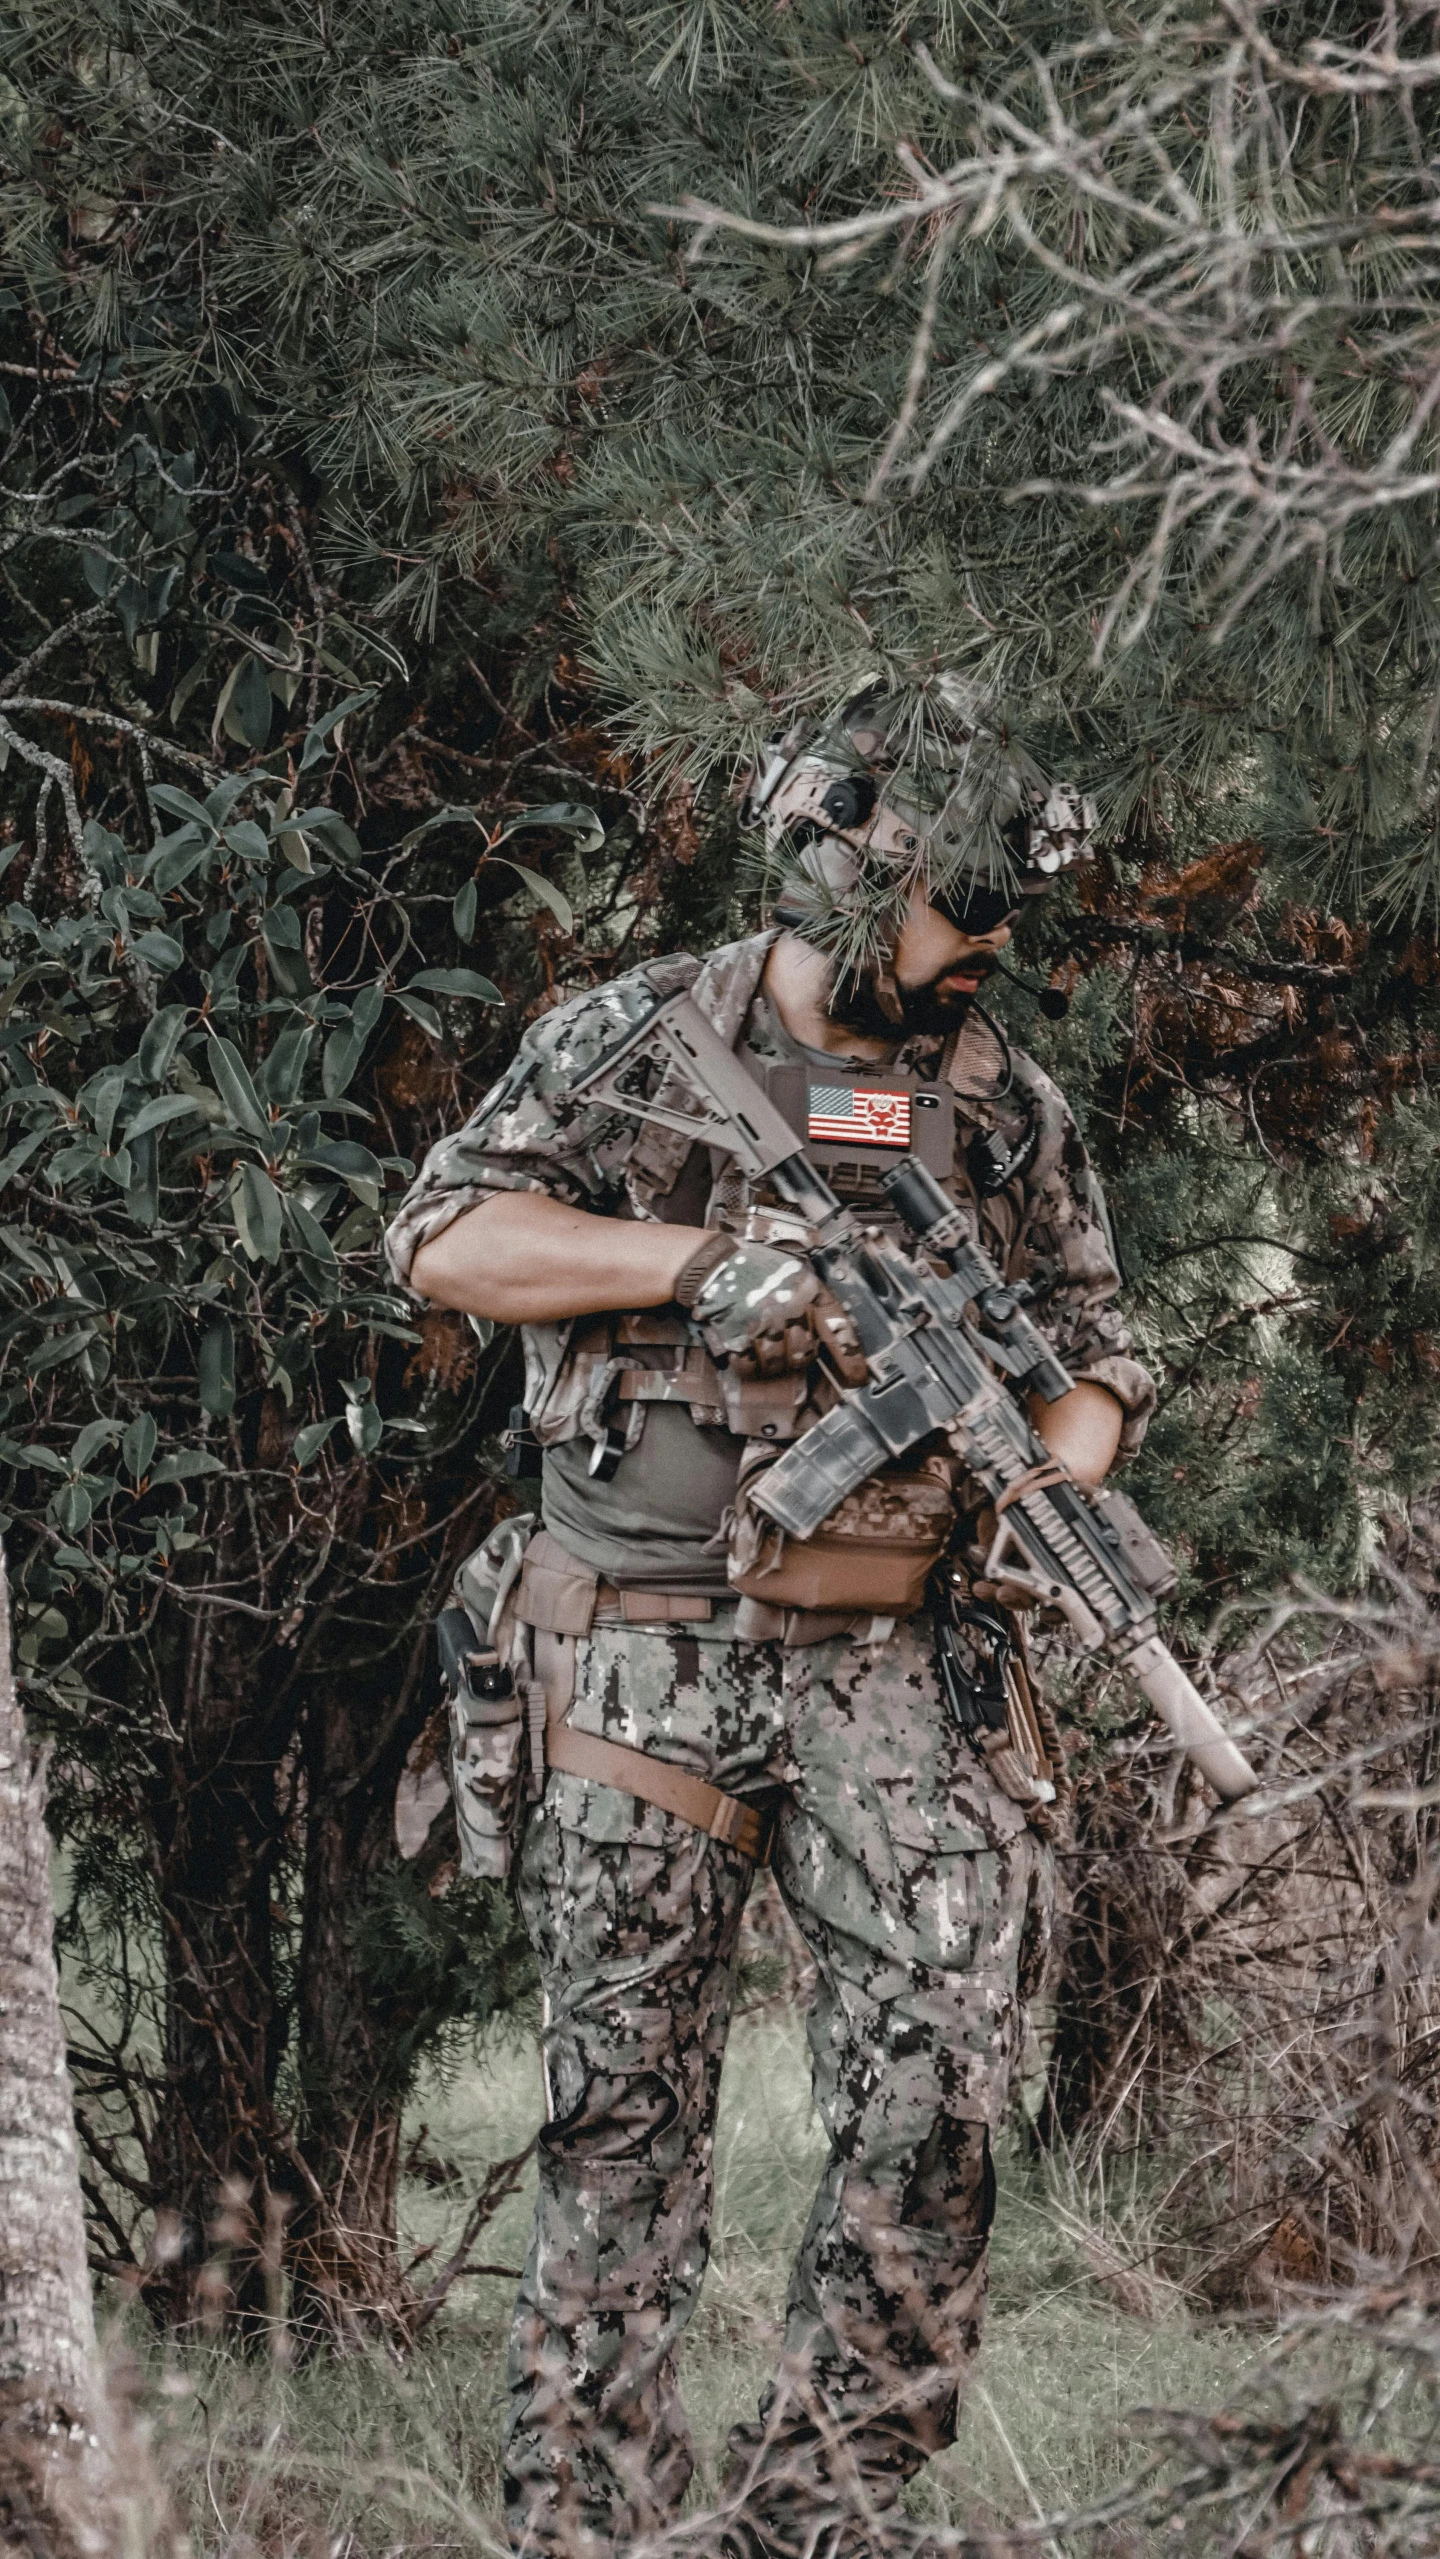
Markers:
point(975, 906)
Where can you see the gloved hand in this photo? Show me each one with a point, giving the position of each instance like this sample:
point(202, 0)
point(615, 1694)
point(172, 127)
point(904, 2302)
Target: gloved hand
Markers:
point(755, 1309)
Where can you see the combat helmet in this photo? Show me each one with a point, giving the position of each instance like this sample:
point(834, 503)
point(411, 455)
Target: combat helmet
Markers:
point(891, 793)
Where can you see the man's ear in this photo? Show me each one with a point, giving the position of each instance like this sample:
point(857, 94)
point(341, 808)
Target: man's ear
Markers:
point(887, 993)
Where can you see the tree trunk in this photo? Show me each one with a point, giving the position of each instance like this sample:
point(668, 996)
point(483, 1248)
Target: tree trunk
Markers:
point(351, 2028)
point(344, 2254)
point(54, 2461)
point(219, 1827)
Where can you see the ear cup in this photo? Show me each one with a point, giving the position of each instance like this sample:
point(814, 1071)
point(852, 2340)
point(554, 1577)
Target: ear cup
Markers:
point(848, 803)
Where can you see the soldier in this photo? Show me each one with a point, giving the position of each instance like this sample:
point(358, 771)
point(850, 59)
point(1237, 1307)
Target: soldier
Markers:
point(672, 1333)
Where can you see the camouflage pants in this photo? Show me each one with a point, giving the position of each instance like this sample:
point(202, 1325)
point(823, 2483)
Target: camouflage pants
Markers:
point(923, 1898)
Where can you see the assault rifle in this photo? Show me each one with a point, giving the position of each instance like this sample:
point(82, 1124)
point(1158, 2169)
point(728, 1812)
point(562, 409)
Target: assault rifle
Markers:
point(932, 1368)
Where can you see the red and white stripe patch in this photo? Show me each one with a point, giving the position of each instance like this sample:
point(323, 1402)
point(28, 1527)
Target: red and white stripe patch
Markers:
point(857, 1114)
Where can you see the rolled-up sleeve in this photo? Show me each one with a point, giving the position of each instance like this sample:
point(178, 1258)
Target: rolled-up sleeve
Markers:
point(526, 1135)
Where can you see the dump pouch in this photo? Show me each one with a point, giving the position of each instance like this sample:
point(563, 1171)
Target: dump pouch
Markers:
point(876, 1550)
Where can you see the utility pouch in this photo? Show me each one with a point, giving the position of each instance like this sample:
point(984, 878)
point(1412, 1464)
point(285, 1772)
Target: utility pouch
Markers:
point(497, 1709)
point(876, 1550)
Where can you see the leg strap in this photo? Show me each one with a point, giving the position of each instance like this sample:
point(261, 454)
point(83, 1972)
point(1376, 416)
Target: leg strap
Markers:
point(633, 1772)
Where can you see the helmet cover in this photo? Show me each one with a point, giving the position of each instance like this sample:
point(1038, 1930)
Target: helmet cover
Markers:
point(893, 795)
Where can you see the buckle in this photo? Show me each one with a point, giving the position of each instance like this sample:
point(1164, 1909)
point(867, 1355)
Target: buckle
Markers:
point(747, 1827)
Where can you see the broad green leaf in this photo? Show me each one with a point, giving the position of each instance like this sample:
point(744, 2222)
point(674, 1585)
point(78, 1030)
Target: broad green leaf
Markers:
point(138, 1445)
point(248, 840)
point(559, 905)
point(346, 1045)
point(177, 803)
point(316, 738)
point(47, 1459)
point(65, 1346)
point(421, 1012)
point(343, 1051)
point(570, 816)
point(184, 1464)
point(342, 1155)
point(369, 1005)
point(310, 1440)
point(181, 859)
point(283, 1073)
point(162, 1037)
point(72, 1508)
point(237, 571)
point(232, 1083)
point(281, 928)
point(158, 1113)
point(19, 1156)
point(94, 1435)
point(248, 704)
point(295, 850)
point(217, 1368)
point(256, 1206)
point(364, 1423)
point(142, 1200)
point(220, 801)
point(333, 830)
point(463, 911)
point(161, 950)
point(186, 686)
point(456, 982)
point(309, 1234)
point(452, 816)
point(106, 1103)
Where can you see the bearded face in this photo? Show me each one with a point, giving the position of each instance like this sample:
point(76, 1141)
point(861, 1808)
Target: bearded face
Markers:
point(931, 1010)
point(937, 971)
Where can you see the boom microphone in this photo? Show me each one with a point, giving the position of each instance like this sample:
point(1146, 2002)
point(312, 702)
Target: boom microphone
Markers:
point(1054, 1003)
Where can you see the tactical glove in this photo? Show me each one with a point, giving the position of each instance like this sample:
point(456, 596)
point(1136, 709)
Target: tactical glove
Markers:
point(753, 1307)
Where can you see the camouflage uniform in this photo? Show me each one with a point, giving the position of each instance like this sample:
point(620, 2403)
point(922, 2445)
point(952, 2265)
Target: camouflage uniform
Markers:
point(918, 1887)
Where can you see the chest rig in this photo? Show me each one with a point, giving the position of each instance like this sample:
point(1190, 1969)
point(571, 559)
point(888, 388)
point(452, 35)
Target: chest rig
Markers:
point(855, 1124)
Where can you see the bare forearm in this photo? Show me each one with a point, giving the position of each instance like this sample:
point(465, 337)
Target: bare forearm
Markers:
point(523, 1258)
point(1082, 1429)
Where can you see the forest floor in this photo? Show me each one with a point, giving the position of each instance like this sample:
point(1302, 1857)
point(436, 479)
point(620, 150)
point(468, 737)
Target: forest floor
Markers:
point(370, 2458)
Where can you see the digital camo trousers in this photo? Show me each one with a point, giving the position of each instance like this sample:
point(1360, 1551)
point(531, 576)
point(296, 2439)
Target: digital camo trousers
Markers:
point(924, 1900)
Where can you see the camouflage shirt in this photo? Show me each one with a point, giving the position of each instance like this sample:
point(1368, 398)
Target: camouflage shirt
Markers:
point(1047, 1225)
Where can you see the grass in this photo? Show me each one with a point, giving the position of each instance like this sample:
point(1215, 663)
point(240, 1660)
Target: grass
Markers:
point(369, 2460)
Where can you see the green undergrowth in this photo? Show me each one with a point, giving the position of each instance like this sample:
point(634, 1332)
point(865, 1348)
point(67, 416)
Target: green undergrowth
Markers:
point(372, 2456)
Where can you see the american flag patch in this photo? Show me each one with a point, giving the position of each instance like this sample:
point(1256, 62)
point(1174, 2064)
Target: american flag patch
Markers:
point(865, 1118)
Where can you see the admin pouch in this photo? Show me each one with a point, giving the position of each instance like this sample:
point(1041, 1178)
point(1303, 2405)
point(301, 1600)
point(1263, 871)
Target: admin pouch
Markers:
point(877, 1550)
